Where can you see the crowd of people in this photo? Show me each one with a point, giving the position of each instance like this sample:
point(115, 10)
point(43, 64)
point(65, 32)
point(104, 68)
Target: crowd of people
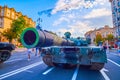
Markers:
point(36, 51)
point(107, 47)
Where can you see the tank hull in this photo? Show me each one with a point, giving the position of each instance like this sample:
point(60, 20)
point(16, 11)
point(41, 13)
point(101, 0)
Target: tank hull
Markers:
point(88, 56)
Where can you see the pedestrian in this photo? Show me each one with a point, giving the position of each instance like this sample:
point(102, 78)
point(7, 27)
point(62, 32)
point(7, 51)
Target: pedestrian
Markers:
point(29, 52)
point(36, 51)
point(39, 51)
point(119, 48)
point(105, 46)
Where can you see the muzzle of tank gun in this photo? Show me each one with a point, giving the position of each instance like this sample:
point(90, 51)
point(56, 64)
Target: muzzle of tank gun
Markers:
point(30, 38)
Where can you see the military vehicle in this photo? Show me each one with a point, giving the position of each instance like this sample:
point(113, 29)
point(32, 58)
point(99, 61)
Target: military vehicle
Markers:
point(5, 51)
point(64, 52)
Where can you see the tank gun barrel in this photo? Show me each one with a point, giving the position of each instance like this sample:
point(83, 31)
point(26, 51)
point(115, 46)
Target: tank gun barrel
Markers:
point(32, 38)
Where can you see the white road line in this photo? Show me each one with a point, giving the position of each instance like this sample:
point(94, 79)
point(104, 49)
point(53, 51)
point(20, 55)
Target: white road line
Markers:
point(12, 60)
point(29, 71)
point(113, 62)
point(75, 73)
point(104, 74)
point(19, 70)
point(44, 73)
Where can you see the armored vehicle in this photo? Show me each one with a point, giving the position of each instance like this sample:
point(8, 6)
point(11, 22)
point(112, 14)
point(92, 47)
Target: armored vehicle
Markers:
point(5, 51)
point(64, 52)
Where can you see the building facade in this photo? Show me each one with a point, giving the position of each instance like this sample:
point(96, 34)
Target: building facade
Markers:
point(115, 7)
point(7, 15)
point(103, 31)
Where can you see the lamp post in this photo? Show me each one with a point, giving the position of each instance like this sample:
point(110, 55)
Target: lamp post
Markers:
point(0, 36)
point(39, 20)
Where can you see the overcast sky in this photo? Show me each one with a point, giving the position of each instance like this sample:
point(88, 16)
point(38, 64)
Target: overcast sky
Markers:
point(76, 16)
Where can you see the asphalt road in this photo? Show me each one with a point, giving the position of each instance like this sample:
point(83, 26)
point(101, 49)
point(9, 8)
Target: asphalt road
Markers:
point(19, 68)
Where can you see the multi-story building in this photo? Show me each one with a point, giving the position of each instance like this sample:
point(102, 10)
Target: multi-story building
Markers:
point(103, 31)
point(115, 6)
point(7, 15)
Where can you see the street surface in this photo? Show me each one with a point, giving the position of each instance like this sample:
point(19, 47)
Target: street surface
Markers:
point(19, 68)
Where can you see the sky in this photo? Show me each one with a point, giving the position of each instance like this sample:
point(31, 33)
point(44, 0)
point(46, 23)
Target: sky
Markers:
point(60, 16)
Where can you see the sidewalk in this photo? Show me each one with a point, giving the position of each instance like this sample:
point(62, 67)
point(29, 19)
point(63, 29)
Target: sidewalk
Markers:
point(115, 51)
point(19, 49)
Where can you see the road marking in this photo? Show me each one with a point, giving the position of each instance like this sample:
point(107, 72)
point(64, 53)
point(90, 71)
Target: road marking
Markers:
point(75, 73)
point(29, 71)
point(104, 74)
point(44, 73)
point(113, 62)
point(19, 70)
point(12, 60)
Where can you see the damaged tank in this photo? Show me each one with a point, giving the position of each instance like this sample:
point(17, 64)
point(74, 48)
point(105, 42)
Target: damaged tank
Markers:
point(64, 52)
point(5, 51)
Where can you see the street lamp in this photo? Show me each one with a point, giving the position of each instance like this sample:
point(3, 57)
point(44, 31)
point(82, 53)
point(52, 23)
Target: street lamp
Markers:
point(0, 36)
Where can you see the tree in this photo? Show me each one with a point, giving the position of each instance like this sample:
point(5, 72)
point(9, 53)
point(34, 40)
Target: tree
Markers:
point(16, 29)
point(110, 37)
point(98, 39)
point(8, 34)
point(18, 26)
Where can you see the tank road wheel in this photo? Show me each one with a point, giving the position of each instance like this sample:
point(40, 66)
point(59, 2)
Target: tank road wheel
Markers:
point(47, 59)
point(64, 65)
point(4, 55)
point(97, 66)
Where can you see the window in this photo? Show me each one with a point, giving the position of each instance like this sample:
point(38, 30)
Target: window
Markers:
point(1, 25)
point(8, 12)
point(1, 20)
point(118, 18)
point(12, 15)
point(119, 10)
point(2, 12)
point(118, 4)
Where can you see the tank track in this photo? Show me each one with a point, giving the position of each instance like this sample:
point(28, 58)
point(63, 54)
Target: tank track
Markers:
point(4, 55)
point(47, 59)
point(96, 66)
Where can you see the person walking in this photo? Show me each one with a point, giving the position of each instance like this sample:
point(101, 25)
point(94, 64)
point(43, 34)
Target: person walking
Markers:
point(36, 51)
point(39, 52)
point(29, 52)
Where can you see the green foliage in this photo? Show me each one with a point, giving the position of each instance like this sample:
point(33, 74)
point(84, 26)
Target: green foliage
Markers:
point(8, 34)
point(110, 37)
point(18, 26)
point(98, 38)
point(16, 29)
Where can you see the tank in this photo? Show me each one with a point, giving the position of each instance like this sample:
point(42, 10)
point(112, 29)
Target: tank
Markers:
point(64, 52)
point(5, 51)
